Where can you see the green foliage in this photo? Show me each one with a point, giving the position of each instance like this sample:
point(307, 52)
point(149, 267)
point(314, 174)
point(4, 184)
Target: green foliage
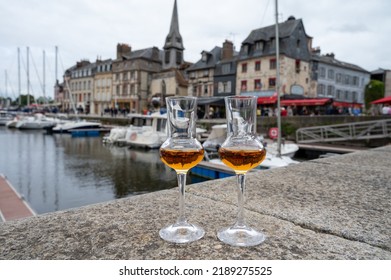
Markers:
point(288, 130)
point(373, 91)
point(24, 100)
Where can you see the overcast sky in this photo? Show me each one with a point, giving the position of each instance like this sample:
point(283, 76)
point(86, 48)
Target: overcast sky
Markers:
point(356, 31)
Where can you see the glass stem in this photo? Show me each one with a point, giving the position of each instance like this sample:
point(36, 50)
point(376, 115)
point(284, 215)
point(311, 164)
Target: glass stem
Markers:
point(241, 189)
point(181, 183)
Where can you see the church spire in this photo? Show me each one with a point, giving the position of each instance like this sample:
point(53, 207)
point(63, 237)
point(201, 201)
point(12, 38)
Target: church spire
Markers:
point(173, 47)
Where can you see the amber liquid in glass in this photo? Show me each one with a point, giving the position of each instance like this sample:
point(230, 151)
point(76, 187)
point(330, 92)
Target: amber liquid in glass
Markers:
point(181, 160)
point(241, 160)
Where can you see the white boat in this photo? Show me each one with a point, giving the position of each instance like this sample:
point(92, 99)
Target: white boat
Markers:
point(287, 149)
point(5, 117)
point(271, 161)
point(147, 131)
point(66, 126)
point(38, 121)
point(219, 133)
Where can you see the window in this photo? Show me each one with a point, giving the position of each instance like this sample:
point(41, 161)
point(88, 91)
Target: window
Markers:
point(259, 46)
point(321, 90)
point(206, 73)
point(297, 65)
point(205, 89)
point(339, 94)
point(178, 57)
point(167, 57)
point(355, 80)
point(244, 67)
point(257, 84)
point(226, 68)
point(273, 64)
point(224, 87)
point(322, 73)
point(257, 66)
point(204, 57)
point(330, 90)
point(339, 78)
point(272, 82)
point(330, 74)
point(354, 96)
point(243, 86)
point(346, 79)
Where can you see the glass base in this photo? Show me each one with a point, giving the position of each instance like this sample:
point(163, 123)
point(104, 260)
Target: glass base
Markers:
point(181, 233)
point(240, 236)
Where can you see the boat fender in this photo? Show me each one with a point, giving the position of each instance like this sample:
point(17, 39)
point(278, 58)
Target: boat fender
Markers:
point(133, 136)
point(273, 133)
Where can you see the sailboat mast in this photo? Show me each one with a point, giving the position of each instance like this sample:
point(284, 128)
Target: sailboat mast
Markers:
point(28, 79)
point(6, 83)
point(56, 48)
point(19, 82)
point(44, 86)
point(278, 83)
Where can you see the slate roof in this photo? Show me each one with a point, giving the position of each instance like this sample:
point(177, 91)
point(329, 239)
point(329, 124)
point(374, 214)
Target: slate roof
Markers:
point(213, 57)
point(147, 53)
point(267, 33)
point(330, 59)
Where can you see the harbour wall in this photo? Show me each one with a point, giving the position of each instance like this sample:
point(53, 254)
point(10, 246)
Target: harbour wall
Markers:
point(289, 124)
point(327, 209)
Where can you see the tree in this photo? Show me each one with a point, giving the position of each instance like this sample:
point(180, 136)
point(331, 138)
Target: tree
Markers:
point(373, 91)
point(23, 99)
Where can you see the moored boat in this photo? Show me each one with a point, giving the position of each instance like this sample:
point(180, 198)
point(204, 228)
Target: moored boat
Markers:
point(5, 117)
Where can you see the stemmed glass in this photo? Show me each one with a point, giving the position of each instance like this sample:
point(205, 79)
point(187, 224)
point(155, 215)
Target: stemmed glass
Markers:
point(241, 151)
point(181, 151)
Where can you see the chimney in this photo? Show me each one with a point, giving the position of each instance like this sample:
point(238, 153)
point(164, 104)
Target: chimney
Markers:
point(228, 50)
point(123, 49)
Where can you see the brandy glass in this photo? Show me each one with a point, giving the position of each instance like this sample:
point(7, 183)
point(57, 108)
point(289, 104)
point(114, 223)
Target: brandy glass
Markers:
point(241, 151)
point(181, 151)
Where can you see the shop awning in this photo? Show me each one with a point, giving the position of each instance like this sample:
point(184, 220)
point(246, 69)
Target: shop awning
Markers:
point(267, 100)
point(305, 102)
point(210, 101)
point(347, 104)
point(382, 100)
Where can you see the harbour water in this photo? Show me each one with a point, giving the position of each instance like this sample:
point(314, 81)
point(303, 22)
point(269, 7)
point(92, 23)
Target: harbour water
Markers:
point(58, 172)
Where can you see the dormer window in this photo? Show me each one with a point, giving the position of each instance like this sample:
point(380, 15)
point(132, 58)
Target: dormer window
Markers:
point(204, 56)
point(259, 46)
point(245, 48)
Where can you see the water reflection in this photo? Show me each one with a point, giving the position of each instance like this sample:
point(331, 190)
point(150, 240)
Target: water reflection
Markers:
point(55, 172)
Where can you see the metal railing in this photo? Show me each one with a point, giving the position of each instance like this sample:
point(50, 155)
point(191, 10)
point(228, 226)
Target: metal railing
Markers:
point(345, 132)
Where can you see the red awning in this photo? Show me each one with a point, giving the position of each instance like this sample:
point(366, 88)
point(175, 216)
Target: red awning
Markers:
point(346, 104)
point(267, 100)
point(305, 102)
point(382, 100)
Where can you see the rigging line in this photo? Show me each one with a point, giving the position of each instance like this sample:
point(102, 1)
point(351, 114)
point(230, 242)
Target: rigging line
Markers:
point(9, 85)
point(67, 84)
point(264, 12)
point(36, 71)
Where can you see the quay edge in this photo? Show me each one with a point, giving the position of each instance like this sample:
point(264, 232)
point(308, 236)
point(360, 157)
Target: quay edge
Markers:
point(331, 208)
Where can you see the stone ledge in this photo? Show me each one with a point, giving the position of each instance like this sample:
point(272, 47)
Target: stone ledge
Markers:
point(333, 208)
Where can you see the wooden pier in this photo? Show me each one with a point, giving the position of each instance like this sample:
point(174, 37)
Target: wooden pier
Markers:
point(12, 204)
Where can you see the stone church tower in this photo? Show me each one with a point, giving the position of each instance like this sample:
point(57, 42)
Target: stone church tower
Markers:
point(173, 47)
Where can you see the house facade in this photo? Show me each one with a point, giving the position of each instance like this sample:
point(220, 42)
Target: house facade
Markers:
point(101, 100)
point(343, 82)
point(256, 65)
